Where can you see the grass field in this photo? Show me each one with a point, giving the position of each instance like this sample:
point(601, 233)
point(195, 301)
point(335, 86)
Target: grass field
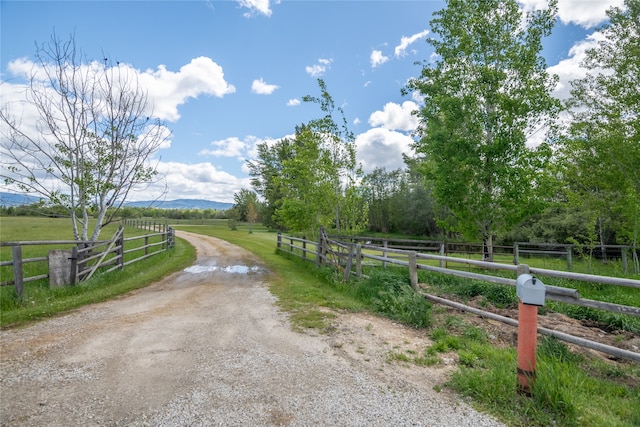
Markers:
point(571, 390)
point(40, 301)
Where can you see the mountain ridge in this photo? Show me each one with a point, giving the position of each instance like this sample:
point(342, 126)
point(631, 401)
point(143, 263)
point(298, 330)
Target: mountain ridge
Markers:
point(181, 204)
point(15, 199)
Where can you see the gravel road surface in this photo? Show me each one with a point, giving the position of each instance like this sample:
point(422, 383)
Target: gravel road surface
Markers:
point(207, 346)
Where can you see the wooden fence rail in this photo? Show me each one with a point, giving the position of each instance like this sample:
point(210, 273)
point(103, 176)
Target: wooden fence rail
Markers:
point(154, 226)
point(623, 253)
point(82, 259)
point(347, 256)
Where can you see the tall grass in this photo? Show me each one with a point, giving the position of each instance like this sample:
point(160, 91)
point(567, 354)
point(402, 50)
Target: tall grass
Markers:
point(389, 292)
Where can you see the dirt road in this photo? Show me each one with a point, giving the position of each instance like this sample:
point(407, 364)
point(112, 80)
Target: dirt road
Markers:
point(207, 346)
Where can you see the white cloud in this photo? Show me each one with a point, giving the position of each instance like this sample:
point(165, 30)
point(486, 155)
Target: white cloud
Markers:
point(193, 181)
point(256, 7)
point(570, 69)
point(396, 117)
point(383, 146)
point(230, 147)
point(293, 102)
point(12, 97)
point(22, 67)
point(262, 88)
point(162, 132)
point(380, 147)
point(168, 89)
point(377, 58)
point(405, 42)
point(320, 68)
point(586, 13)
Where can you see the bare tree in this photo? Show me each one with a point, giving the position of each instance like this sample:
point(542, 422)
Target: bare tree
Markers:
point(89, 141)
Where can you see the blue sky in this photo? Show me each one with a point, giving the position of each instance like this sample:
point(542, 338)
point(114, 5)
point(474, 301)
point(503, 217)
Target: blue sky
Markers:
point(226, 75)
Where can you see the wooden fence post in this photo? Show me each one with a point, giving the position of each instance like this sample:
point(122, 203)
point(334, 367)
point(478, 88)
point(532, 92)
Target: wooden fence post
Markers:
point(170, 238)
point(442, 252)
point(120, 252)
point(319, 256)
point(569, 257)
point(413, 270)
point(516, 253)
point(359, 260)
point(304, 247)
point(146, 245)
point(279, 240)
point(384, 252)
point(623, 258)
point(74, 265)
point(18, 274)
point(347, 269)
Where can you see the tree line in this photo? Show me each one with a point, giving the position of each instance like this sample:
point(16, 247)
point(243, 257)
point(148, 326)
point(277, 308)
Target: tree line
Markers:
point(127, 212)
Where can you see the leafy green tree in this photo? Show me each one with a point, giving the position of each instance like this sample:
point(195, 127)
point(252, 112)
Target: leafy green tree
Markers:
point(308, 184)
point(380, 186)
point(338, 151)
point(242, 200)
point(415, 210)
point(601, 154)
point(252, 215)
point(264, 171)
point(310, 180)
point(400, 201)
point(487, 92)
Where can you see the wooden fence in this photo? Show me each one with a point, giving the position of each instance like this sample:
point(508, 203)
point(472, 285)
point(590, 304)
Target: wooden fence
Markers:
point(349, 258)
point(155, 226)
point(627, 255)
point(82, 259)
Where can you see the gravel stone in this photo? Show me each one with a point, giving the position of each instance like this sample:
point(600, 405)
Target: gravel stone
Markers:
point(209, 347)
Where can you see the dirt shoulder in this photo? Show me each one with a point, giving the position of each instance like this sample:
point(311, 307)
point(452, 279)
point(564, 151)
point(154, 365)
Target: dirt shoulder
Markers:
point(208, 346)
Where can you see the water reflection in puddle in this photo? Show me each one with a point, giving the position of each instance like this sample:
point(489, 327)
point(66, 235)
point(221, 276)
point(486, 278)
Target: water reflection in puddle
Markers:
point(237, 269)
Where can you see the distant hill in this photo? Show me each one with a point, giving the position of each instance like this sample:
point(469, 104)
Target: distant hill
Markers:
point(182, 204)
point(12, 199)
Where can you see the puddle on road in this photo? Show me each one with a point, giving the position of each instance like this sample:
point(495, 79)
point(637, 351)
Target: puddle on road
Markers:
point(235, 269)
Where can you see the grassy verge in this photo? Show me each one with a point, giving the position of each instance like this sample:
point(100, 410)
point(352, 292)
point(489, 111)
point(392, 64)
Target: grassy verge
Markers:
point(39, 301)
point(570, 391)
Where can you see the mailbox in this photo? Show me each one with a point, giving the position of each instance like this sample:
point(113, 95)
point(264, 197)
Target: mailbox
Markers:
point(530, 290)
